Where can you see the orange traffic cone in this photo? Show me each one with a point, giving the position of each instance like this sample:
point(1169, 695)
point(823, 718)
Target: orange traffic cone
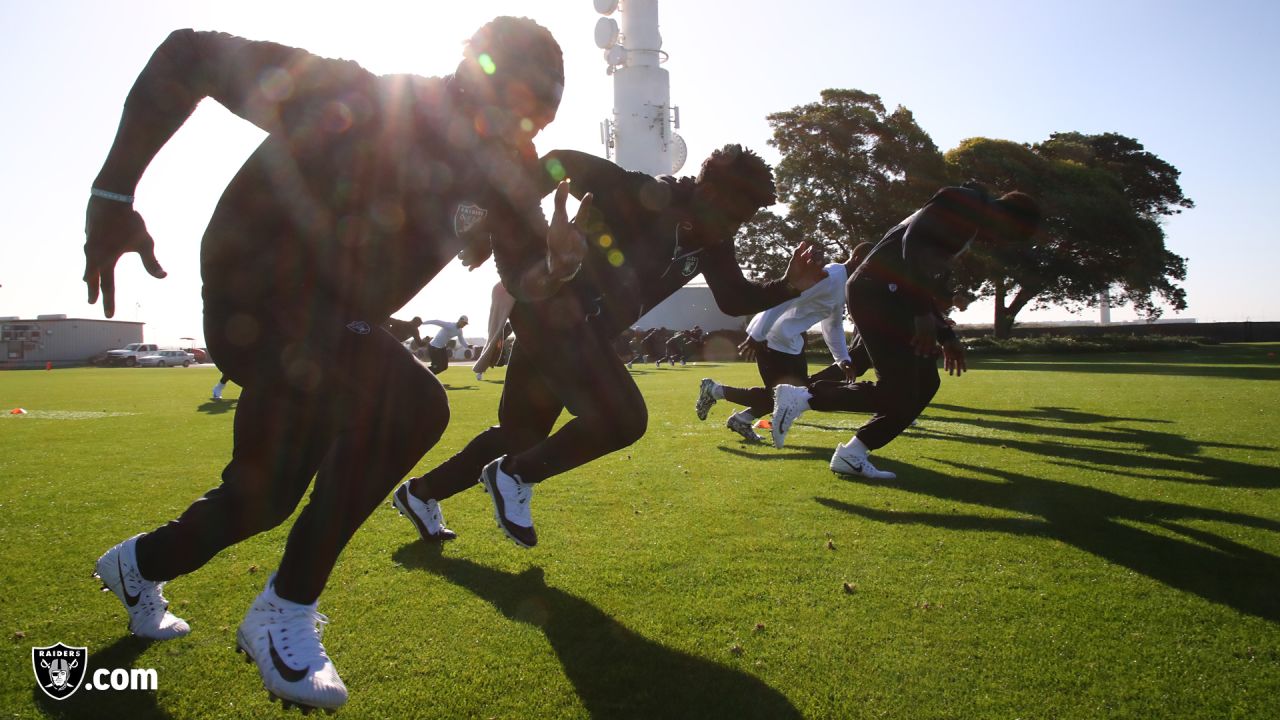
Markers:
point(48, 365)
point(17, 411)
point(764, 424)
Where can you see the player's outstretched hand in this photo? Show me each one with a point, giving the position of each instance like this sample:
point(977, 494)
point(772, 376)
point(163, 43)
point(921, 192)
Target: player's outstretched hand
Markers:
point(805, 268)
point(566, 241)
point(953, 358)
point(749, 349)
point(112, 229)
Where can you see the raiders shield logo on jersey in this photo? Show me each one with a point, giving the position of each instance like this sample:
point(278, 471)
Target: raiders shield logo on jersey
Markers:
point(690, 266)
point(466, 217)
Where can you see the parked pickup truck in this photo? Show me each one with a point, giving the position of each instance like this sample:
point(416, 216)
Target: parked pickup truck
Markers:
point(129, 354)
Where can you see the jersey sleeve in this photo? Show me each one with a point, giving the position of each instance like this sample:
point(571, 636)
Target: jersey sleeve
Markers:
point(734, 294)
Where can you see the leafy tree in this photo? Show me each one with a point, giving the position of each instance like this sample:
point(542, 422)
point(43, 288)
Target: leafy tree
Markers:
point(850, 170)
point(1102, 198)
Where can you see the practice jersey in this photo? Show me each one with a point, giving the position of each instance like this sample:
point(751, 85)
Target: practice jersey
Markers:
point(783, 327)
point(363, 190)
point(913, 259)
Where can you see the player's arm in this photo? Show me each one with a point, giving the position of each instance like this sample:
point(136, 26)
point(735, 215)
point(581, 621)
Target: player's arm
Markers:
point(736, 295)
point(268, 84)
point(832, 328)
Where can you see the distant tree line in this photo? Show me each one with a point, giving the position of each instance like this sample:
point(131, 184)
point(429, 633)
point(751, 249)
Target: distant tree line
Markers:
point(850, 170)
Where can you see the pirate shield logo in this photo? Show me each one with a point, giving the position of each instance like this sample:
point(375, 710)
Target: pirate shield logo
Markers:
point(467, 216)
point(59, 669)
point(690, 267)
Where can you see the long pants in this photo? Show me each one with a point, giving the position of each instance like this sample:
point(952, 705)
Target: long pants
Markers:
point(776, 368)
point(500, 305)
point(352, 409)
point(439, 359)
point(906, 382)
point(553, 368)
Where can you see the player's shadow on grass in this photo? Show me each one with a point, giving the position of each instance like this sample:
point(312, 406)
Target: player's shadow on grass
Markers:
point(616, 672)
point(217, 407)
point(1156, 455)
point(1103, 524)
point(96, 704)
point(1070, 416)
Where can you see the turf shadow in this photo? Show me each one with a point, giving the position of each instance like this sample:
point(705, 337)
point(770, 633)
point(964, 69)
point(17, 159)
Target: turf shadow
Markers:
point(94, 705)
point(1103, 524)
point(1161, 365)
point(617, 672)
point(217, 407)
point(1165, 456)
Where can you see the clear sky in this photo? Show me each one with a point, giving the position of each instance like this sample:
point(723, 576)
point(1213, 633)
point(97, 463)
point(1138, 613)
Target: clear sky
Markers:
point(1193, 81)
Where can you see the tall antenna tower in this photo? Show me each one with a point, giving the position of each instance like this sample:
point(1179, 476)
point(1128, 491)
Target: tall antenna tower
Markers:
point(641, 134)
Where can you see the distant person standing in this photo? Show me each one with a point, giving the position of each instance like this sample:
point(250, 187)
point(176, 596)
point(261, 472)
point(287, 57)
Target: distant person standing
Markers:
point(896, 299)
point(438, 348)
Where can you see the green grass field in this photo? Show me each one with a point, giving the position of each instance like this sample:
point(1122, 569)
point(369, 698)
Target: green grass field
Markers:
point(1076, 537)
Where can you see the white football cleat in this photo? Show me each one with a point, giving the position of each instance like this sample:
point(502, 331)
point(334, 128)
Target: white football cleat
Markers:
point(510, 503)
point(847, 461)
point(283, 639)
point(149, 615)
point(424, 514)
point(789, 403)
point(217, 391)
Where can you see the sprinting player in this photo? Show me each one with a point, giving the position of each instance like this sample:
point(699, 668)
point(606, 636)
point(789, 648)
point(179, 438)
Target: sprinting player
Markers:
point(438, 348)
point(775, 339)
point(500, 303)
point(648, 238)
point(679, 344)
point(301, 268)
point(895, 299)
point(653, 345)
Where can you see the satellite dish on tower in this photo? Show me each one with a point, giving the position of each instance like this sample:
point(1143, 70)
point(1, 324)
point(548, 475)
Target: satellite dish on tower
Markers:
point(606, 7)
point(606, 33)
point(615, 55)
point(679, 152)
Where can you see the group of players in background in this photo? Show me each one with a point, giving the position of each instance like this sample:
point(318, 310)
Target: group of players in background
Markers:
point(363, 190)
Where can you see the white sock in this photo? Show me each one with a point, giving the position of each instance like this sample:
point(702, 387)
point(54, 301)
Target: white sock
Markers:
point(856, 445)
point(717, 391)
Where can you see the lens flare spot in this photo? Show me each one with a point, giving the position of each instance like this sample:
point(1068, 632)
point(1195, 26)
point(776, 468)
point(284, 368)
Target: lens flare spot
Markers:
point(605, 240)
point(337, 117)
point(486, 64)
point(526, 125)
point(556, 170)
point(276, 84)
point(615, 258)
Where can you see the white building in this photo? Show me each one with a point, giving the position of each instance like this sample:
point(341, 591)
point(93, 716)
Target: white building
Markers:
point(690, 305)
point(61, 340)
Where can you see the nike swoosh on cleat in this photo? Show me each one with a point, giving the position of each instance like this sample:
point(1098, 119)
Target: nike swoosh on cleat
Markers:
point(286, 672)
point(856, 471)
point(130, 600)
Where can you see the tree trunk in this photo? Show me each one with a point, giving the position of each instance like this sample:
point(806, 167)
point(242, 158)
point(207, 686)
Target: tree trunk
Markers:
point(1002, 324)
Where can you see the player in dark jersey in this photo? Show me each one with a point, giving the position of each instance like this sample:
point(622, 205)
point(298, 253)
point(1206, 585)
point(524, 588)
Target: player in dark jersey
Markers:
point(648, 237)
point(405, 330)
point(363, 190)
point(896, 299)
